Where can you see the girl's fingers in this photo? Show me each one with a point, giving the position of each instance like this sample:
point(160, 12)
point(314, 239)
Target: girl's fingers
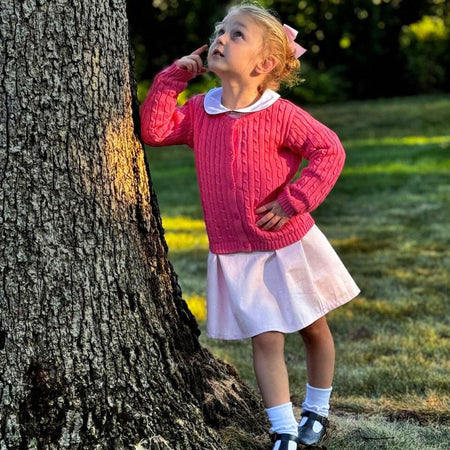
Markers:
point(274, 207)
point(274, 217)
point(197, 58)
point(261, 222)
point(183, 63)
point(262, 209)
point(198, 62)
point(191, 63)
point(275, 223)
point(267, 221)
point(280, 224)
point(200, 50)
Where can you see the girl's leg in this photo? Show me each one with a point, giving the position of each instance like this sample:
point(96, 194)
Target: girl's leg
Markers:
point(320, 353)
point(271, 374)
point(270, 368)
point(320, 356)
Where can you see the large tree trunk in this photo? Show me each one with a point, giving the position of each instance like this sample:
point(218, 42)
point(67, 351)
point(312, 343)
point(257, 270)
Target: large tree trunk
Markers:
point(97, 348)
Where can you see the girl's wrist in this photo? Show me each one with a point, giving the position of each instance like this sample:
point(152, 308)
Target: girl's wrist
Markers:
point(286, 204)
point(177, 73)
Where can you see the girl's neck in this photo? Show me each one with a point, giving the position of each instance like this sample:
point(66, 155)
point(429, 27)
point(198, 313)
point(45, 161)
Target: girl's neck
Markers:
point(235, 96)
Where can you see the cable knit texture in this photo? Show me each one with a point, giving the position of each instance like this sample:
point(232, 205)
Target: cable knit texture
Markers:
point(246, 161)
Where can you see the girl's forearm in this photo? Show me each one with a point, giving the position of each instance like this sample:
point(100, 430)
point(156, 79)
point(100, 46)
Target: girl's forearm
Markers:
point(322, 147)
point(162, 122)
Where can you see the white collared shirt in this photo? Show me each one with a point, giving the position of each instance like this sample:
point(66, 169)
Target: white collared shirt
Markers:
point(213, 102)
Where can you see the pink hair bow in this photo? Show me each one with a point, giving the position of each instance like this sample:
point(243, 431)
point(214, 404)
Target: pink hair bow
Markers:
point(292, 34)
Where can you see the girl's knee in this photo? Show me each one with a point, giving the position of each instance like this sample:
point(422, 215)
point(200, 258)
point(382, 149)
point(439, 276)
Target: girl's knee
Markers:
point(269, 341)
point(317, 330)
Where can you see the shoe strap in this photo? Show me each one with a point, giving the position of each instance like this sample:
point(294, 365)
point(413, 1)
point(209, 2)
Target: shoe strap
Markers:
point(284, 437)
point(321, 419)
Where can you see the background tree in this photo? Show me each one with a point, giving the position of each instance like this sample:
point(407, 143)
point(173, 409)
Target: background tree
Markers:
point(163, 30)
point(356, 49)
point(97, 348)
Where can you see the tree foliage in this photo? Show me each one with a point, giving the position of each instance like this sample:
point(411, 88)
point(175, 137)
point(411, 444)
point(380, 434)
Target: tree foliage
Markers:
point(356, 49)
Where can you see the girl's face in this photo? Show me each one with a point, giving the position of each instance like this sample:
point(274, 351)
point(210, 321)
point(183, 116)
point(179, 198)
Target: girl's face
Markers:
point(237, 47)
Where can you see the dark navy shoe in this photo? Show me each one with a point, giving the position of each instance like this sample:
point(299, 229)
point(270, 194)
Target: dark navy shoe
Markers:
point(284, 438)
point(307, 434)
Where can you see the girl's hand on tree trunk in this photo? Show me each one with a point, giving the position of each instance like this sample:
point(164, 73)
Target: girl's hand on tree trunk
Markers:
point(274, 218)
point(193, 63)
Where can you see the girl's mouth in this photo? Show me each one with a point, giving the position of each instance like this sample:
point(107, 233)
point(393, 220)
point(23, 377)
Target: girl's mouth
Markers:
point(217, 53)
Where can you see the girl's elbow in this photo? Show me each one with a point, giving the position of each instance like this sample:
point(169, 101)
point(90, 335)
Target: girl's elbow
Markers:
point(150, 137)
point(341, 154)
point(339, 158)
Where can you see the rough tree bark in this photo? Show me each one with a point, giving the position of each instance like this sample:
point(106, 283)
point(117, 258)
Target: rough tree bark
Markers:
point(97, 348)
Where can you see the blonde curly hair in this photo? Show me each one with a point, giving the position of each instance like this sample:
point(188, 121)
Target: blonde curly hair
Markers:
point(276, 44)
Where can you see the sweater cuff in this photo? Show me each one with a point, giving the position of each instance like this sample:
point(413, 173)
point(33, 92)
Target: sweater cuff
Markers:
point(290, 206)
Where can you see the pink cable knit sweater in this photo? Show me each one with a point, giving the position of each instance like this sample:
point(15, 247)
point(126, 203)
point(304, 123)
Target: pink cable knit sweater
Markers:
point(244, 162)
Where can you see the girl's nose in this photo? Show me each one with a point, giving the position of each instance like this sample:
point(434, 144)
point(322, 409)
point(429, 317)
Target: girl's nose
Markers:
point(221, 38)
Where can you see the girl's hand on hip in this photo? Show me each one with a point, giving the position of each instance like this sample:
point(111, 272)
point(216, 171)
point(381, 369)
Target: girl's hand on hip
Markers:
point(193, 63)
point(274, 218)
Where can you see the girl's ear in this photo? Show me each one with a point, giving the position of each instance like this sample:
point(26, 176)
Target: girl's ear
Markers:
point(266, 65)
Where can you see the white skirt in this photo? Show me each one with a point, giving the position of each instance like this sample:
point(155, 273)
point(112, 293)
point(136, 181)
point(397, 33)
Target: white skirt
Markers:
point(282, 290)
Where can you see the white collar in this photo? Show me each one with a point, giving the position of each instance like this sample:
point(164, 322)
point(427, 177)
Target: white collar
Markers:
point(213, 102)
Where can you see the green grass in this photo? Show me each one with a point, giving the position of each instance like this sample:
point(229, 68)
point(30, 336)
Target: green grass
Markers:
point(388, 218)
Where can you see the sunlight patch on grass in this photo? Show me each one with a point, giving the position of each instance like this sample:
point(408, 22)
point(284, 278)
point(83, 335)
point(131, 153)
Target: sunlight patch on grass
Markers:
point(183, 233)
point(418, 155)
point(183, 223)
point(402, 141)
point(382, 308)
point(430, 404)
point(197, 306)
point(186, 241)
point(421, 168)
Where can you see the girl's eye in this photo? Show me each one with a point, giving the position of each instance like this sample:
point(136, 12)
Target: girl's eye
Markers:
point(238, 34)
point(220, 32)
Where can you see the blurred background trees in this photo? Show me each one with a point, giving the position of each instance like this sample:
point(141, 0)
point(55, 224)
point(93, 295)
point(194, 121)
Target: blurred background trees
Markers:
point(356, 49)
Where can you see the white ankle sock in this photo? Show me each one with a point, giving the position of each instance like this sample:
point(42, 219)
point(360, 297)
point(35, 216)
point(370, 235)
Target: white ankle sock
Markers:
point(317, 400)
point(283, 421)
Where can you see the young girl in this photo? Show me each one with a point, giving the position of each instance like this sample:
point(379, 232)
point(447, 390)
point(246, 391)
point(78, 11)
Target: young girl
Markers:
point(270, 270)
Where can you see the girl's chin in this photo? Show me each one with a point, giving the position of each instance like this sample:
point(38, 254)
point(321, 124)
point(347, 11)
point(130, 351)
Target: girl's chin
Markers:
point(213, 68)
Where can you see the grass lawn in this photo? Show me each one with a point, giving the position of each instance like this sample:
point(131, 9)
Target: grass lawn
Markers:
point(389, 219)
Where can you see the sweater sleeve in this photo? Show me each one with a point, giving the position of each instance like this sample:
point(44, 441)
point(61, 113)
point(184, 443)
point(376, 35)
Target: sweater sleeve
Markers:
point(315, 142)
point(162, 121)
